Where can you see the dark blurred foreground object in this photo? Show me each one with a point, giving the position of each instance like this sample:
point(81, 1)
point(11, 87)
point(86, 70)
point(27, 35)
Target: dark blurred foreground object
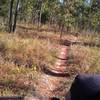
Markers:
point(85, 87)
point(12, 98)
point(54, 98)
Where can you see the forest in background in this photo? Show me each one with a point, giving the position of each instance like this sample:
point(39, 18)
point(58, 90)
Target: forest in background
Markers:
point(63, 15)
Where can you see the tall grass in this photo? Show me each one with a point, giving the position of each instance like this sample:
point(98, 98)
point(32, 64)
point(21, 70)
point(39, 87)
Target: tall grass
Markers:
point(87, 55)
point(20, 59)
point(90, 38)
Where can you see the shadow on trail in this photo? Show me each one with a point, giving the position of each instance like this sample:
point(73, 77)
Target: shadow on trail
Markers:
point(69, 43)
point(51, 73)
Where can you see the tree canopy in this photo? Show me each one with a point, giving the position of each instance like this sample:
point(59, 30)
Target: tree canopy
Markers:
point(85, 14)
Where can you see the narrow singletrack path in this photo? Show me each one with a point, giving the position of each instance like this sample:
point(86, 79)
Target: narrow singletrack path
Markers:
point(53, 80)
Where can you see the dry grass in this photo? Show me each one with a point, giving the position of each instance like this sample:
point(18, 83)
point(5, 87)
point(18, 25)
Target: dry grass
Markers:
point(20, 59)
point(23, 54)
point(87, 59)
point(26, 52)
point(90, 38)
point(87, 55)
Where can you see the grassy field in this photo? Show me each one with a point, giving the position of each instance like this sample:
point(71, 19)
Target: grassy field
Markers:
point(23, 54)
point(20, 59)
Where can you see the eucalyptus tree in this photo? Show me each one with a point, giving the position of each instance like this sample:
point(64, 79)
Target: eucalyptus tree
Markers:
point(11, 16)
point(15, 16)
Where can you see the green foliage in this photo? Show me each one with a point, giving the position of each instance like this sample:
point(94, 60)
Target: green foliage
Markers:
point(95, 13)
point(3, 7)
point(82, 13)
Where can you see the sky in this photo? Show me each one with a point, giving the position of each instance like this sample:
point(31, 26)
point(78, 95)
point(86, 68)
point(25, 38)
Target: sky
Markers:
point(61, 0)
point(88, 1)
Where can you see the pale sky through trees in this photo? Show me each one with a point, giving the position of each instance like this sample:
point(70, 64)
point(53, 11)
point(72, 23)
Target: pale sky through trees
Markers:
point(61, 1)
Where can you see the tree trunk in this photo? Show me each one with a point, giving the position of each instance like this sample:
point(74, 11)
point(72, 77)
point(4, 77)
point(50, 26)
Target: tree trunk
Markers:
point(33, 16)
point(10, 15)
point(40, 18)
point(61, 34)
point(15, 18)
point(40, 13)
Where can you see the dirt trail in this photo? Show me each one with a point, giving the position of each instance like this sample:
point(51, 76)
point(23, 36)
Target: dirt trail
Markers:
point(54, 81)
